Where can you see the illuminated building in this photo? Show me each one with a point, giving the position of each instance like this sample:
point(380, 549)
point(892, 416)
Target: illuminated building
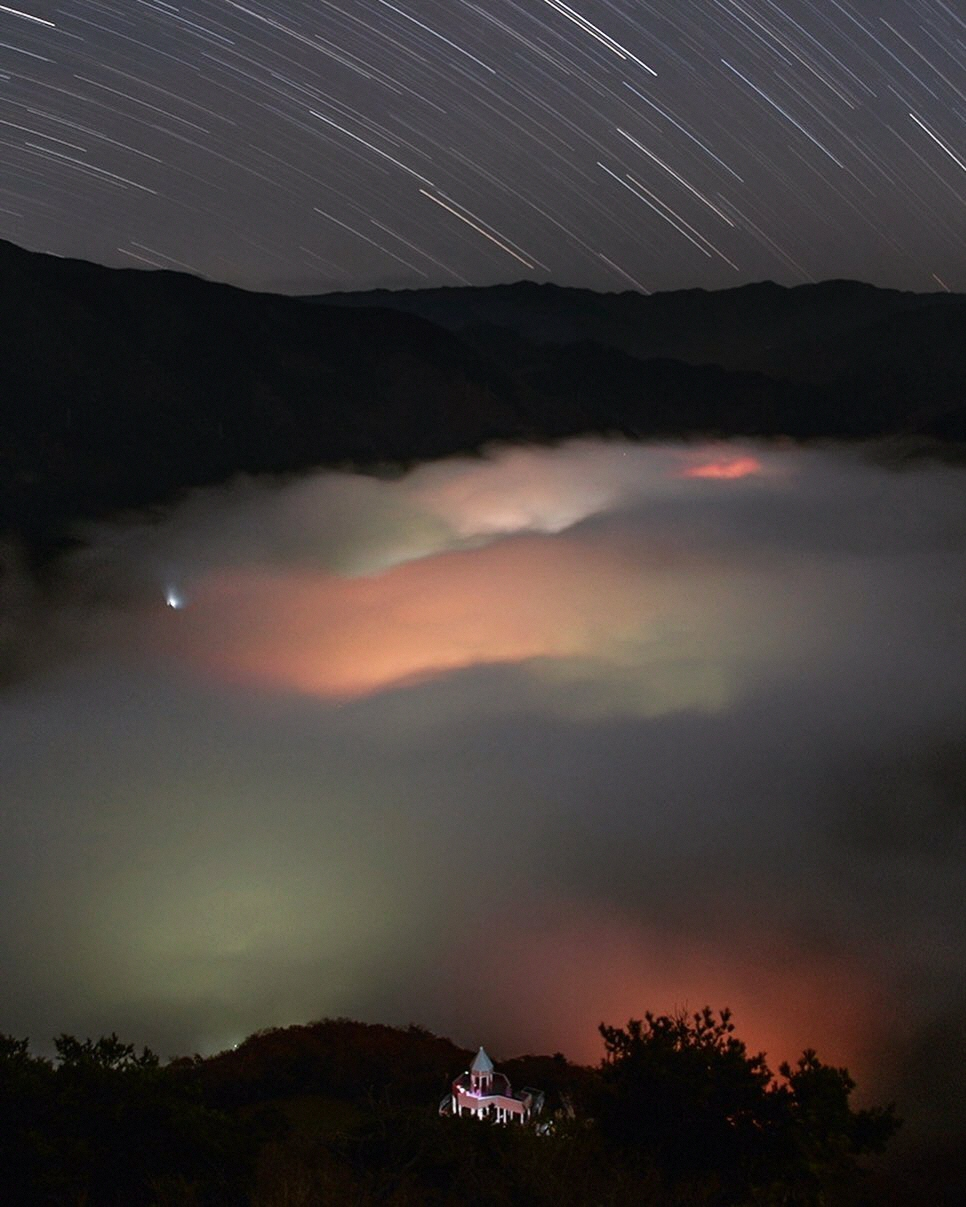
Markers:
point(485, 1094)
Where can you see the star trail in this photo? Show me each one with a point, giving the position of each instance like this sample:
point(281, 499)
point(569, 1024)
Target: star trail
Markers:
point(301, 146)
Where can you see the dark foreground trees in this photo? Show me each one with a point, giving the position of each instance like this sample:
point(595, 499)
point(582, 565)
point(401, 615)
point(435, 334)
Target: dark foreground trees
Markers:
point(682, 1097)
point(678, 1113)
point(105, 1126)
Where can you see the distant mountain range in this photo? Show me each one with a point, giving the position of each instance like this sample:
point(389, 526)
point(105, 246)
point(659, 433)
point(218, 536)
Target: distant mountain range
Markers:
point(120, 388)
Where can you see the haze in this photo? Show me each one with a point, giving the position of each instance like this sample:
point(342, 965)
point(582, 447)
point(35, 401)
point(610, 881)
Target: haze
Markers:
point(506, 747)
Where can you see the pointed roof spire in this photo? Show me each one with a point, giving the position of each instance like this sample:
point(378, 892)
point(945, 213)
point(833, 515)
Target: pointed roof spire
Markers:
point(481, 1063)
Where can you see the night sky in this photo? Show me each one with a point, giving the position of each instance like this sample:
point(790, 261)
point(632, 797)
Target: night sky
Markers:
point(605, 143)
point(512, 746)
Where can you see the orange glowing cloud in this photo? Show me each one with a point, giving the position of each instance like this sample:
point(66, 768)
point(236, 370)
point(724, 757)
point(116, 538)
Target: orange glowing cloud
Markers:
point(726, 468)
point(568, 967)
point(336, 637)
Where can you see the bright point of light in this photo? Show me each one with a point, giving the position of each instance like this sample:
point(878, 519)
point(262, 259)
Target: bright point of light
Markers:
point(173, 598)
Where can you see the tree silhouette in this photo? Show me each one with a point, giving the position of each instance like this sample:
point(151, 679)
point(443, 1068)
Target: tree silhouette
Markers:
point(678, 1113)
point(826, 1133)
point(105, 1125)
point(682, 1095)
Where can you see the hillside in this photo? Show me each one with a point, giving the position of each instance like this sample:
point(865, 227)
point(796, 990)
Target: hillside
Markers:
point(120, 388)
point(762, 327)
point(342, 1111)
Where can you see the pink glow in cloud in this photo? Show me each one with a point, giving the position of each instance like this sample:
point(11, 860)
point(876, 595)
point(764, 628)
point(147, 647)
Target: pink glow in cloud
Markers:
point(317, 633)
point(713, 758)
point(725, 468)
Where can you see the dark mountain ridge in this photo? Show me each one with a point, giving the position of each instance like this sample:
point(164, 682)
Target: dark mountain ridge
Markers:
point(753, 327)
point(120, 388)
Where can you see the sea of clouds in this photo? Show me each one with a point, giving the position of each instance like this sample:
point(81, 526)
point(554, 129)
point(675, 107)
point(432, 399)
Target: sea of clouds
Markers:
point(506, 746)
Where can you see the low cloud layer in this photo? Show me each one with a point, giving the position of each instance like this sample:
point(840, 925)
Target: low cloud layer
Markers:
point(507, 747)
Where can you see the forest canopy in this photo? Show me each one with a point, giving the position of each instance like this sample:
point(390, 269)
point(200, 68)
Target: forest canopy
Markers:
point(678, 1111)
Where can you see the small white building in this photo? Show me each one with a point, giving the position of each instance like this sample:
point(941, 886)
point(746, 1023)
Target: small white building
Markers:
point(485, 1094)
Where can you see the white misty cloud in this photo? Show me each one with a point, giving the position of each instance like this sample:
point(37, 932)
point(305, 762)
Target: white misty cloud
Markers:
point(636, 736)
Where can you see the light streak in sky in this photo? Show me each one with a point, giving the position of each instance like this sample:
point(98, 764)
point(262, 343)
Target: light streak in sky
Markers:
point(370, 146)
point(16, 12)
point(623, 273)
point(680, 179)
point(366, 239)
point(697, 234)
point(596, 32)
point(677, 124)
point(90, 168)
point(419, 250)
point(939, 142)
point(435, 33)
point(237, 116)
point(477, 227)
point(784, 112)
point(664, 211)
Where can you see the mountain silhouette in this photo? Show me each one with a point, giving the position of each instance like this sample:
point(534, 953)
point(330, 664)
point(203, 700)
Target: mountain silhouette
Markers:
point(122, 388)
